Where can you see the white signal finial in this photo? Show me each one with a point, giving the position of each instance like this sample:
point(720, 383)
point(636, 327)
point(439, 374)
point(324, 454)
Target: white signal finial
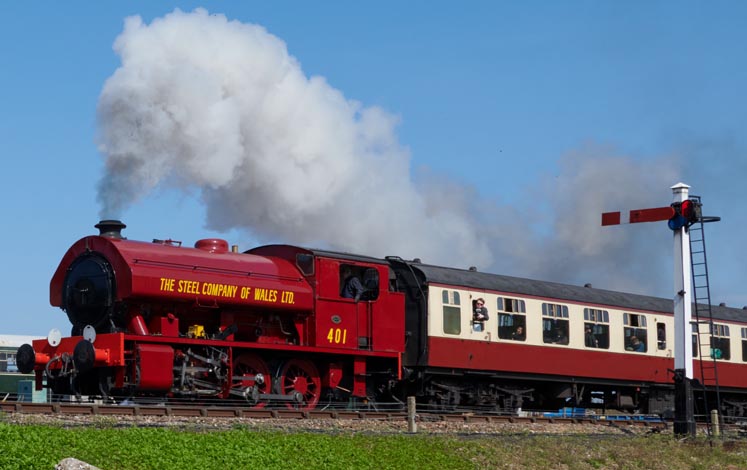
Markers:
point(680, 186)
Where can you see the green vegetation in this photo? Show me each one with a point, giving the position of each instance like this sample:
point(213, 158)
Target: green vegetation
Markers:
point(41, 447)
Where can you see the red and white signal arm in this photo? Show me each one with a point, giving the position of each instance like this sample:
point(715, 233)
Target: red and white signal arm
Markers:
point(638, 215)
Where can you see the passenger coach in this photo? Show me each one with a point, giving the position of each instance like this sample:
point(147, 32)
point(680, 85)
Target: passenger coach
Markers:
point(576, 345)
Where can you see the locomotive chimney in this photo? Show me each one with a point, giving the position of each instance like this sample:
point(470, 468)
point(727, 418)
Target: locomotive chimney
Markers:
point(110, 228)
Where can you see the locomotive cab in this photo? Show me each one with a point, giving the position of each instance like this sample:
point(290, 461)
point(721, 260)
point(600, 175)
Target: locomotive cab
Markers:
point(365, 324)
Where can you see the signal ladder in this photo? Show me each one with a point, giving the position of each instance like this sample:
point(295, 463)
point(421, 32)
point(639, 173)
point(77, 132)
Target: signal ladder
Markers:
point(704, 315)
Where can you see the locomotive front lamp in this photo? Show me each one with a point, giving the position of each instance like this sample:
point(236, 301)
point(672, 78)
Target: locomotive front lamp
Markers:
point(54, 337)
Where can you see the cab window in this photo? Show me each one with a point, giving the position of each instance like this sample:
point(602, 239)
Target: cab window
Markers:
point(359, 282)
point(305, 263)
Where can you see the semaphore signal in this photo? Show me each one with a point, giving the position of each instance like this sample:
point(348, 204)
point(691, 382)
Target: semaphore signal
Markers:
point(680, 216)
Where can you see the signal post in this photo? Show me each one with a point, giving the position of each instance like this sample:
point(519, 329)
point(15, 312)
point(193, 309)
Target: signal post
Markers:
point(684, 415)
point(680, 215)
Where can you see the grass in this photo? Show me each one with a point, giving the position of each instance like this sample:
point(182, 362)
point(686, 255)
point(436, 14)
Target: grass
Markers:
point(110, 448)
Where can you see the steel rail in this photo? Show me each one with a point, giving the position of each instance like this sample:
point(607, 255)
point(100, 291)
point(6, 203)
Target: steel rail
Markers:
point(199, 411)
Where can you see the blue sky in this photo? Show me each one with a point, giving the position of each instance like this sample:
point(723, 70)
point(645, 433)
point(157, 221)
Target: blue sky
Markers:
point(536, 115)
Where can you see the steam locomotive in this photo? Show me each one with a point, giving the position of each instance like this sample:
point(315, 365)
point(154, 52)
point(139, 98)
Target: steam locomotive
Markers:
point(273, 326)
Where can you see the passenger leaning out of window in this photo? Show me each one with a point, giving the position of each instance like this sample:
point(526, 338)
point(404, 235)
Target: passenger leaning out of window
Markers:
point(480, 312)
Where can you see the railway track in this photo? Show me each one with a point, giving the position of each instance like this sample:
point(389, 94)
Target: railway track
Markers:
point(200, 411)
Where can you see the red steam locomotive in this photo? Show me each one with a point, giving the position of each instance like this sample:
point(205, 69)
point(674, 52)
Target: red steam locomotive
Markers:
point(274, 325)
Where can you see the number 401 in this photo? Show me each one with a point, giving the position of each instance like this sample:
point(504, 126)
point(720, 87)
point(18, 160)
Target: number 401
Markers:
point(337, 335)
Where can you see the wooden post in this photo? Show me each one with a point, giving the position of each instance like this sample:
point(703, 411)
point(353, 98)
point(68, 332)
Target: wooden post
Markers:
point(412, 426)
point(715, 423)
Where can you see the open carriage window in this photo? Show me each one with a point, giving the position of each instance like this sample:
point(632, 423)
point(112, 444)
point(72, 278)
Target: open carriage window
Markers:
point(596, 328)
point(513, 323)
point(554, 323)
point(635, 332)
point(720, 342)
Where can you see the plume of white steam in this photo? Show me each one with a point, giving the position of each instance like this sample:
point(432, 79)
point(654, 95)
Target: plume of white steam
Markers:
point(203, 102)
point(576, 248)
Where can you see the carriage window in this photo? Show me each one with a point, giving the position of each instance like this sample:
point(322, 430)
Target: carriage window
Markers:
point(696, 349)
point(596, 328)
point(450, 297)
point(452, 312)
point(555, 310)
point(513, 327)
point(661, 335)
point(506, 304)
point(554, 323)
point(8, 362)
point(636, 336)
point(720, 343)
point(744, 344)
point(452, 320)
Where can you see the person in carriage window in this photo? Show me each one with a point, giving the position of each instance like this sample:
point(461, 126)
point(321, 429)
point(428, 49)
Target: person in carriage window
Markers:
point(480, 312)
point(636, 345)
point(590, 340)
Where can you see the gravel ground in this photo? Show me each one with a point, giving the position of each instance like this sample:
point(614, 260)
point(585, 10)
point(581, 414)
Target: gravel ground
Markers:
point(382, 426)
